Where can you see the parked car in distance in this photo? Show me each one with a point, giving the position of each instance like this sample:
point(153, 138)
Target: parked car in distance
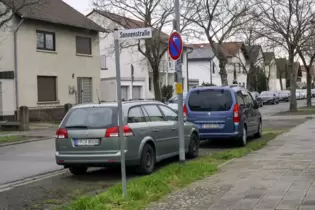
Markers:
point(223, 113)
point(269, 97)
point(257, 98)
point(313, 92)
point(284, 95)
point(88, 136)
point(302, 93)
point(172, 102)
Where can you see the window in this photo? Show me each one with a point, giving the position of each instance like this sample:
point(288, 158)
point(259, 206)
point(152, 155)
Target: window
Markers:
point(91, 117)
point(83, 45)
point(210, 100)
point(6, 74)
point(103, 62)
point(150, 83)
point(213, 68)
point(249, 101)
point(239, 68)
point(240, 100)
point(168, 113)
point(154, 113)
point(135, 115)
point(45, 40)
point(243, 84)
point(46, 88)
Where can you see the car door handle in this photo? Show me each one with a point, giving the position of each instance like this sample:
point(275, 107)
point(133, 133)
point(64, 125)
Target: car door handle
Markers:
point(173, 128)
point(155, 130)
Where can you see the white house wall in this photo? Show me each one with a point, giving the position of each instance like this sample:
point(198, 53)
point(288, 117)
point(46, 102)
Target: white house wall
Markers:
point(200, 70)
point(274, 83)
point(241, 78)
point(129, 55)
point(63, 63)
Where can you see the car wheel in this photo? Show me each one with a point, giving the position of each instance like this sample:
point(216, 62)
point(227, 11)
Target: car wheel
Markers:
point(193, 150)
point(242, 140)
point(78, 170)
point(147, 161)
point(259, 132)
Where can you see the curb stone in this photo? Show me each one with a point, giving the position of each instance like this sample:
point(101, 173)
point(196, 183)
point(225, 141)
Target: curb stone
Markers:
point(26, 141)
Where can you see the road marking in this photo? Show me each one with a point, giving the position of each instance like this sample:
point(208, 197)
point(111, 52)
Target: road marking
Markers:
point(29, 180)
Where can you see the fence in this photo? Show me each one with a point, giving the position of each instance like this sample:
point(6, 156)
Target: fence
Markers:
point(48, 113)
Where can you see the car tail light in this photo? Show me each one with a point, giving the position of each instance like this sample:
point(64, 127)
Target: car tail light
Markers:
point(114, 131)
point(61, 133)
point(236, 114)
point(185, 110)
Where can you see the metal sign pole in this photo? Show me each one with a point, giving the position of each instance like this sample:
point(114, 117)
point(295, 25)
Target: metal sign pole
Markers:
point(178, 69)
point(120, 116)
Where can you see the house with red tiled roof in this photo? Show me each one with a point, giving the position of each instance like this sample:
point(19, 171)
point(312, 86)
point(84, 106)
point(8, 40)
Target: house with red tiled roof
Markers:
point(141, 86)
point(49, 56)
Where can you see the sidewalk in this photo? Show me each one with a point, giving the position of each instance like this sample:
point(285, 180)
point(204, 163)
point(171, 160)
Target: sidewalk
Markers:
point(280, 176)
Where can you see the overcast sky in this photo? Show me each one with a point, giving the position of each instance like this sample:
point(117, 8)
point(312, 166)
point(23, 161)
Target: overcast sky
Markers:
point(80, 5)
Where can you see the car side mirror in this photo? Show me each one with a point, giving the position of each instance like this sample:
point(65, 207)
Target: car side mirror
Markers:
point(256, 106)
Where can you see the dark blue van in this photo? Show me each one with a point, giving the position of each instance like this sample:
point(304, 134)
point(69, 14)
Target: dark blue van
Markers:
point(223, 113)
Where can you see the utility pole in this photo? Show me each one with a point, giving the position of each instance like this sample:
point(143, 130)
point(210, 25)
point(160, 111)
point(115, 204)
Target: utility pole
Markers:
point(178, 69)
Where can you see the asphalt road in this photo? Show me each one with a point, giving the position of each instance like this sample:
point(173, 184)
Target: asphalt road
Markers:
point(26, 160)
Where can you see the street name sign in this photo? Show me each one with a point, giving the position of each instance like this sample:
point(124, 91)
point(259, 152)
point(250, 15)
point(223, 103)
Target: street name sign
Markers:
point(136, 33)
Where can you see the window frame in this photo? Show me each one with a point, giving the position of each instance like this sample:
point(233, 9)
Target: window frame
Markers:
point(165, 117)
point(239, 94)
point(46, 33)
point(76, 45)
point(156, 105)
point(142, 111)
point(56, 89)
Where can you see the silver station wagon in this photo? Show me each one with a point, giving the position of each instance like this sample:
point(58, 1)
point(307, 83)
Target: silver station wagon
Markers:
point(88, 136)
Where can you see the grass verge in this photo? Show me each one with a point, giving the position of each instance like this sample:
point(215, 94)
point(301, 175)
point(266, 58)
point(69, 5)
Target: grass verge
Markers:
point(300, 111)
point(146, 189)
point(12, 138)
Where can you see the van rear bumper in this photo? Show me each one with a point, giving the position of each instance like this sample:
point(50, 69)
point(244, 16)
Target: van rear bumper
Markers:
point(206, 136)
point(92, 160)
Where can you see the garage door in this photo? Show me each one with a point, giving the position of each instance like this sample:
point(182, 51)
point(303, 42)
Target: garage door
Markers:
point(85, 90)
point(136, 92)
point(124, 93)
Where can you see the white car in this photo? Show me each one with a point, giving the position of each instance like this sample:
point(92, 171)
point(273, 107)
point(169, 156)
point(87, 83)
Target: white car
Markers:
point(302, 93)
point(172, 102)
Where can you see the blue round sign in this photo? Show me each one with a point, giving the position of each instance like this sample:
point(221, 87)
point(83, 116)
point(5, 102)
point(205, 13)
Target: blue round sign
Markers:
point(175, 46)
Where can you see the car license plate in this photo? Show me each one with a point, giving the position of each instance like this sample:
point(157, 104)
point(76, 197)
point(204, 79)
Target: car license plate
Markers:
point(210, 126)
point(86, 142)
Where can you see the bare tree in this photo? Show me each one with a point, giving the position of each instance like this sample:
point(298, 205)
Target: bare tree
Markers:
point(307, 54)
point(156, 14)
point(218, 20)
point(284, 23)
point(8, 8)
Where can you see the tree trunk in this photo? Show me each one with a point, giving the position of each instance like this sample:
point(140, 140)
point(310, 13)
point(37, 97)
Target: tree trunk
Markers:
point(223, 73)
point(308, 87)
point(292, 73)
point(156, 83)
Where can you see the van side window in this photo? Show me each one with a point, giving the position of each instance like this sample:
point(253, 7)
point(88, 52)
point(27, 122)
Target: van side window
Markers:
point(240, 100)
point(135, 115)
point(249, 101)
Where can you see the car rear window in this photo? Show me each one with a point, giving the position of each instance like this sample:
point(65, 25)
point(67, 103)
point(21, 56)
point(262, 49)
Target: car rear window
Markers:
point(91, 118)
point(210, 100)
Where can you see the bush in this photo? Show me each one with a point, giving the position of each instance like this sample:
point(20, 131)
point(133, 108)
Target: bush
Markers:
point(167, 92)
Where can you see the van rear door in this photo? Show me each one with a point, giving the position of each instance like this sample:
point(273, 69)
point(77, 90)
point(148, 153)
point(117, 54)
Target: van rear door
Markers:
point(211, 110)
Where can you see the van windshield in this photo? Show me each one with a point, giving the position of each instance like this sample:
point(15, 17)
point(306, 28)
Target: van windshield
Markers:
point(91, 118)
point(210, 100)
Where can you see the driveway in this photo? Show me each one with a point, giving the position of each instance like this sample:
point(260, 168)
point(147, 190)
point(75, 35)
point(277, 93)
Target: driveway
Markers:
point(25, 160)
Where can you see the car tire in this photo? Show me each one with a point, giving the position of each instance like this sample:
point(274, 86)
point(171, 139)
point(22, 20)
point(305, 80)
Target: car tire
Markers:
point(193, 149)
point(259, 132)
point(242, 140)
point(78, 170)
point(147, 160)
